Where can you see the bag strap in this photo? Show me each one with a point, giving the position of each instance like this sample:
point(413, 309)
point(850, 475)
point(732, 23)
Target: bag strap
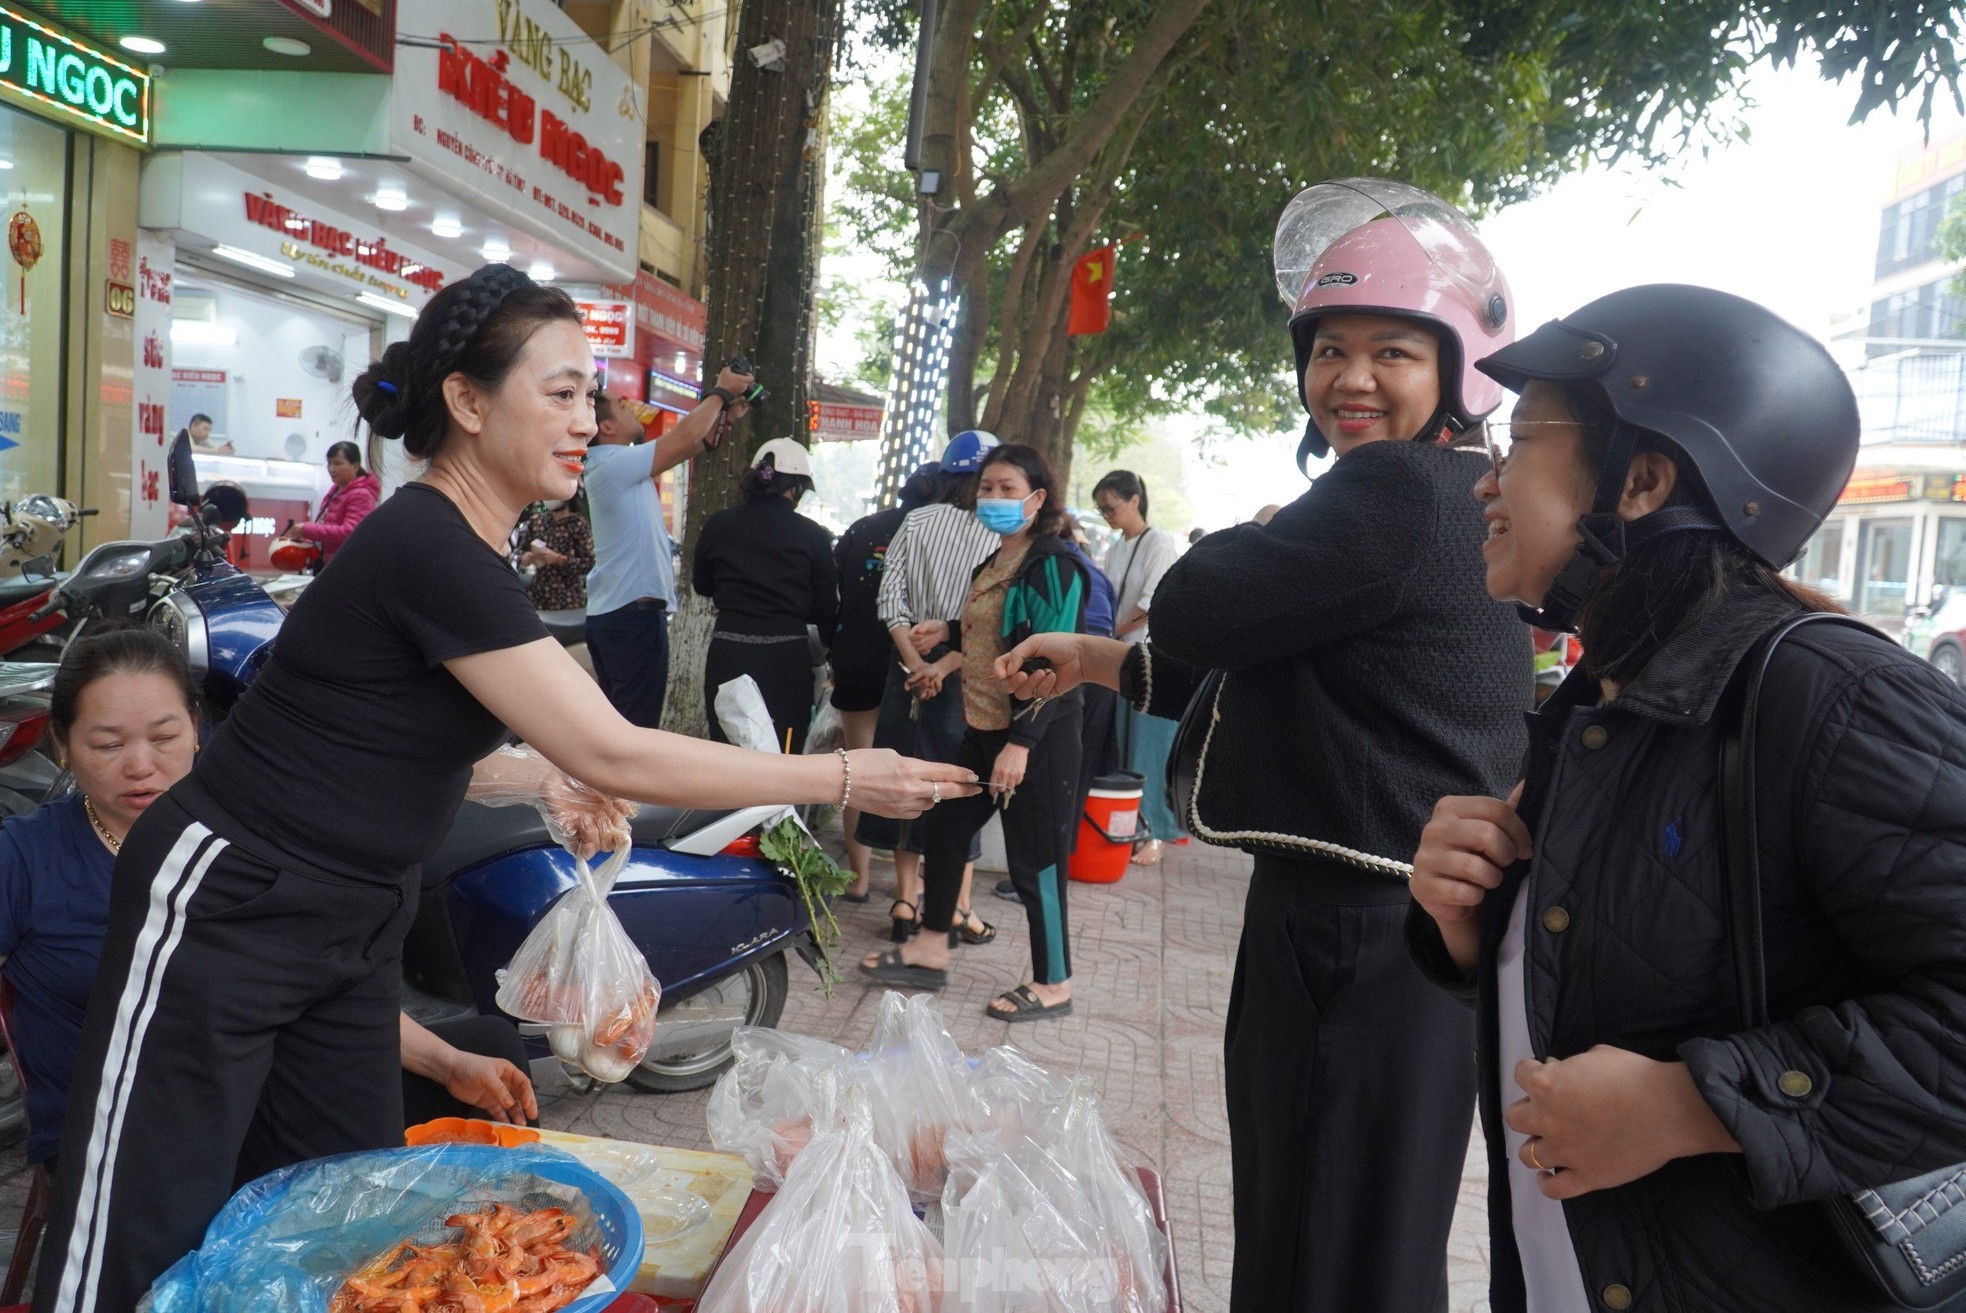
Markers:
point(1740, 832)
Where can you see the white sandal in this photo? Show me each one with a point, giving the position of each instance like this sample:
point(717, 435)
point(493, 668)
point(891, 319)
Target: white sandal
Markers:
point(1148, 853)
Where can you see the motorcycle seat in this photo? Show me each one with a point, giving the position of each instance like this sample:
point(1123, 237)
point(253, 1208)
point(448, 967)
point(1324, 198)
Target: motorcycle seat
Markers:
point(481, 833)
point(20, 588)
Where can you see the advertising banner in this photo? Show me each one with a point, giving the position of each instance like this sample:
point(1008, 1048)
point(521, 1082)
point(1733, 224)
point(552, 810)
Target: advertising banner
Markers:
point(519, 109)
point(150, 387)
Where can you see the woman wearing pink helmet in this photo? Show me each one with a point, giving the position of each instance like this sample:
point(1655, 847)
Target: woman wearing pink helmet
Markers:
point(1357, 658)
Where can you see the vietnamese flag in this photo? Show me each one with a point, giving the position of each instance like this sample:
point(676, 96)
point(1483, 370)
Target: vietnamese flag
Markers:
point(1092, 292)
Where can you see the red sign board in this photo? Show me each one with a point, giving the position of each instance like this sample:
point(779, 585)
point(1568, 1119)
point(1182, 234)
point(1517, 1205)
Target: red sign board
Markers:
point(608, 327)
point(666, 312)
point(1886, 486)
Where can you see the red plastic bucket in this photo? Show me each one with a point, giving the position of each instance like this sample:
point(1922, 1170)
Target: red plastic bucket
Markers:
point(1107, 828)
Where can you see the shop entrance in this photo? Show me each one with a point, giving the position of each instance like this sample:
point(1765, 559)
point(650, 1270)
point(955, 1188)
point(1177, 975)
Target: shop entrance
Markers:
point(34, 208)
point(271, 371)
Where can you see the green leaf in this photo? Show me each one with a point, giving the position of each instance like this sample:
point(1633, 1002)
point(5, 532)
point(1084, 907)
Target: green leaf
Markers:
point(819, 880)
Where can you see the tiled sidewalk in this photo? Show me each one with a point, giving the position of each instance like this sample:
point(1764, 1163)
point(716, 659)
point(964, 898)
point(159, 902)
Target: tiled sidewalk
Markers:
point(1152, 961)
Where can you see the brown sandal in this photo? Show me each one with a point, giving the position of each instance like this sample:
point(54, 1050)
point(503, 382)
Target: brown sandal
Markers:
point(963, 933)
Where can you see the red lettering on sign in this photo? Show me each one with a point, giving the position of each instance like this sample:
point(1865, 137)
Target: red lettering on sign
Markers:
point(569, 152)
point(484, 90)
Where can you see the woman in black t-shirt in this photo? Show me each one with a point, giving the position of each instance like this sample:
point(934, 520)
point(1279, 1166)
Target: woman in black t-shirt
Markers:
point(244, 1017)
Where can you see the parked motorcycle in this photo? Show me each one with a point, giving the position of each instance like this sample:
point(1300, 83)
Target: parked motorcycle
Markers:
point(31, 532)
point(715, 920)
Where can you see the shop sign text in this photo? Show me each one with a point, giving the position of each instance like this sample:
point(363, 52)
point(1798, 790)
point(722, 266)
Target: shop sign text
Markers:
point(59, 75)
point(120, 299)
point(606, 325)
point(297, 227)
point(533, 46)
point(480, 85)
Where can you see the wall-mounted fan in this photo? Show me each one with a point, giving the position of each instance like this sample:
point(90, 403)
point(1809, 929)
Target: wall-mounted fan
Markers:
point(322, 362)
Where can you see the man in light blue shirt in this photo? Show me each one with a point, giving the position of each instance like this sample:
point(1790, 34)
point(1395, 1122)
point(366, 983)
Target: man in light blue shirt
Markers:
point(632, 587)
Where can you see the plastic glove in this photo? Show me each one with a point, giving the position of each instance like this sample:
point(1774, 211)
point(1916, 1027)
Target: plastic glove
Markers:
point(580, 819)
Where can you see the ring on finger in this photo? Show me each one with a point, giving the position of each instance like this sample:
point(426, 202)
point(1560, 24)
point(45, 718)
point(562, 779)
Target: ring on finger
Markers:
point(934, 793)
point(1529, 1147)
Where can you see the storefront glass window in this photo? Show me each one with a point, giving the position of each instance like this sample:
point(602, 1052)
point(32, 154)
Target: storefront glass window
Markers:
point(1949, 570)
point(33, 200)
point(1821, 566)
point(1883, 566)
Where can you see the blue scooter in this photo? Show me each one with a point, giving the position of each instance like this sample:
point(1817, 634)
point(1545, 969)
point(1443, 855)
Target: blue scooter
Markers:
point(715, 920)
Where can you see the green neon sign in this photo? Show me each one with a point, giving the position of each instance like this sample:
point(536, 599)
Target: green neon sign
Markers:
point(58, 76)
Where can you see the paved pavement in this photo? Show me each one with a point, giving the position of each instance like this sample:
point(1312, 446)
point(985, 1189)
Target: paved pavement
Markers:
point(1152, 960)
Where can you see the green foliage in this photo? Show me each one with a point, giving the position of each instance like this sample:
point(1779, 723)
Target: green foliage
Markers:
point(819, 879)
point(1484, 101)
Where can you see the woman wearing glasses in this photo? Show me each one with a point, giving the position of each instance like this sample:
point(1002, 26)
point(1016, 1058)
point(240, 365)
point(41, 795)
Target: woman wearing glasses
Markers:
point(1361, 659)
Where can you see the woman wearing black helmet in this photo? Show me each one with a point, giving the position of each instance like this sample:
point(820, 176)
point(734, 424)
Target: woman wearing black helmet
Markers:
point(1361, 661)
point(1677, 1062)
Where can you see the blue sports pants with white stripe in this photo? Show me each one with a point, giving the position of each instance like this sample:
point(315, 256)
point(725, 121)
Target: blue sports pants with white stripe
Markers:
point(1038, 826)
point(244, 1017)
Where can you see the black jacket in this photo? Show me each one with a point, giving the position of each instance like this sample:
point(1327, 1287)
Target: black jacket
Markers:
point(1861, 798)
point(769, 570)
point(1368, 674)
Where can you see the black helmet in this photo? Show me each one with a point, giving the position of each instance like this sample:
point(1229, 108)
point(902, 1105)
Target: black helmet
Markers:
point(1756, 405)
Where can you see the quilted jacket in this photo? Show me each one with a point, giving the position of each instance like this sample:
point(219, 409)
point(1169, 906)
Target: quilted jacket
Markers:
point(1861, 795)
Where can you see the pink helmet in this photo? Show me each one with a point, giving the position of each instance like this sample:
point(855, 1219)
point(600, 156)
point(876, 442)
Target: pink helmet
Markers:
point(1373, 246)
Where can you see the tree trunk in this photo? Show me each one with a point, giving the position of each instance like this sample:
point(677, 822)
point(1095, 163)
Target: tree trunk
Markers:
point(765, 171)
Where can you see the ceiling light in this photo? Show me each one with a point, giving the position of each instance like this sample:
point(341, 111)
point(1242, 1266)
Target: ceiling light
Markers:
point(496, 251)
point(142, 45)
point(6, 164)
point(391, 198)
point(327, 170)
point(446, 225)
point(385, 304)
point(682, 362)
point(540, 272)
point(286, 45)
point(196, 332)
point(254, 260)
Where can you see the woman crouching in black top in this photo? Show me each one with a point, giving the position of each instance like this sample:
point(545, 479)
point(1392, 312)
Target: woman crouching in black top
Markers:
point(245, 1014)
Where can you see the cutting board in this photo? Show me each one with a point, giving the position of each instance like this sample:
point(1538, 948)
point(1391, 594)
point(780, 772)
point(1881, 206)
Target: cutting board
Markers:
point(676, 1267)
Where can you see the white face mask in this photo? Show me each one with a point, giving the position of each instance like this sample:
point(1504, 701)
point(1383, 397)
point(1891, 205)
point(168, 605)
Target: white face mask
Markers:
point(555, 505)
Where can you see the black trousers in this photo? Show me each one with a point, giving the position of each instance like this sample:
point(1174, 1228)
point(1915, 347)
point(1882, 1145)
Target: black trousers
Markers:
point(1351, 1090)
point(1037, 828)
point(244, 1018)
point(1099, 750)
point(931, 730)
point(783, 669)
point(629, 647)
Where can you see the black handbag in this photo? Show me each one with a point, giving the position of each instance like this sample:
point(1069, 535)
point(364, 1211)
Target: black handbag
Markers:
point(1904, 1243)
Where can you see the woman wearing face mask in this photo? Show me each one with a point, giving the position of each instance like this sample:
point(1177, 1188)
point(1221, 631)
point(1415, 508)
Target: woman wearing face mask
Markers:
point(245, 1015)
point(1673, 449)
point(1027, 749)
point(355, 493)
point(557, 544)
point(1361, 663)
point(771, 573)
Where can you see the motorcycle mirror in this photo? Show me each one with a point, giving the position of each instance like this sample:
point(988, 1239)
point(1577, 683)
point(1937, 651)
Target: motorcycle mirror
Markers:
point(183, 473)
point(224, 504)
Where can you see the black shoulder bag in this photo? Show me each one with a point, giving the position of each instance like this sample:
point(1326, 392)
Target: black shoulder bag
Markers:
point(1905, 1242)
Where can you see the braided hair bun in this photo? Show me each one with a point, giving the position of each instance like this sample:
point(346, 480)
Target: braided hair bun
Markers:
point(475, 327)
point(380, 395)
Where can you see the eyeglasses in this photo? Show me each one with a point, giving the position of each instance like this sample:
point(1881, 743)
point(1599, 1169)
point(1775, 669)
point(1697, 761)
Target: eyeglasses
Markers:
point(1107, 510)
point(1518, 428)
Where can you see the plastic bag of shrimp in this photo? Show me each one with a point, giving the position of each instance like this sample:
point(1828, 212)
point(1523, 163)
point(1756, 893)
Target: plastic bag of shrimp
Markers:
point(580, 973)
point(442, 1229)
point(840, 1235)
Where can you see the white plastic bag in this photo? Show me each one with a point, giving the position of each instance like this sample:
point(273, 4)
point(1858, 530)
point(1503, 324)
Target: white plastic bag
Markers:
point(781, 1090)
point(827, 734)
point(925, 1080)
point(745, 719)
point(1019, 1231)
point(580, 973)
point(1079, 1139)
point(839, 1236)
